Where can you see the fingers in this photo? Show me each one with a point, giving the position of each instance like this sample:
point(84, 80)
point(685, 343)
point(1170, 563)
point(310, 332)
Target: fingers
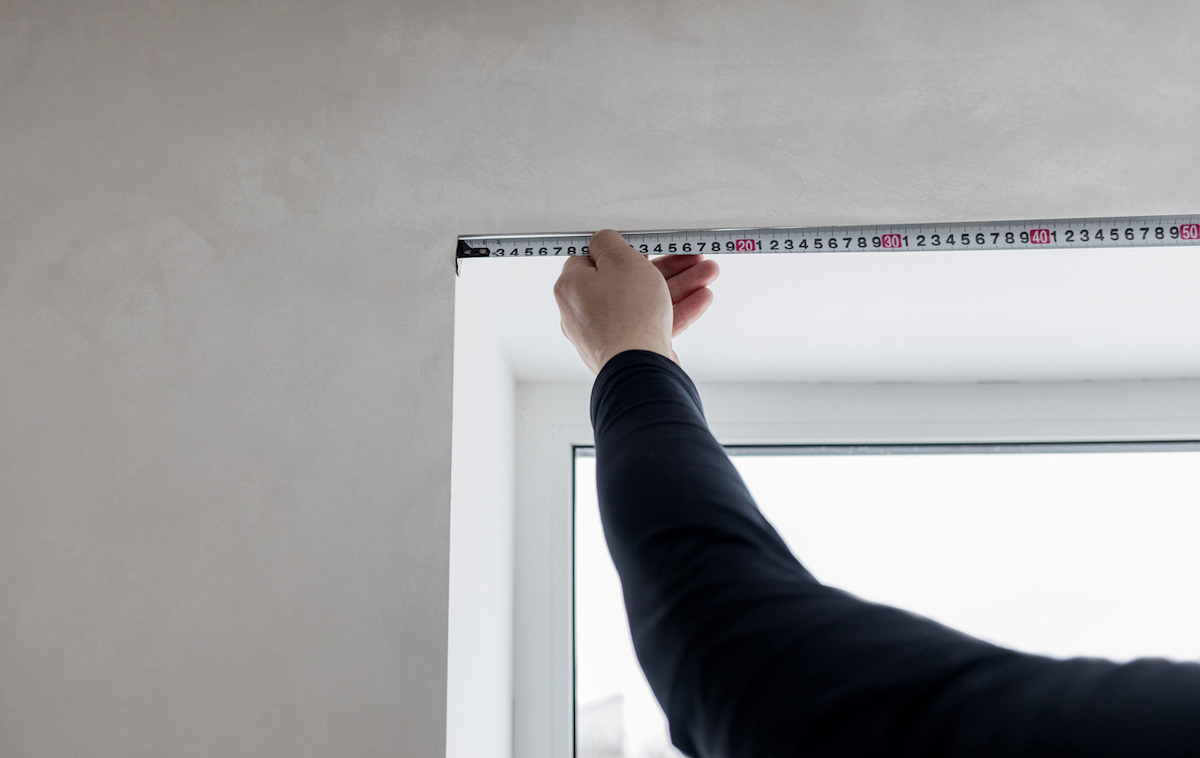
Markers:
point(690, 279)
point(690, 308)
point(670, 265)
point(609, 246)
point(577, 262)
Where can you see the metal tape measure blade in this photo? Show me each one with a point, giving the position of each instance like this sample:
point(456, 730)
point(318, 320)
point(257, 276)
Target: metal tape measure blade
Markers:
point(1047, 234)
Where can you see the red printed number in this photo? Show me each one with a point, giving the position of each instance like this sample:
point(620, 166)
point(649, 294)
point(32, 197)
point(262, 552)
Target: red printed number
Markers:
point(1039, 236)
point(745, 246)
point(1189, 231)
point(891, 240)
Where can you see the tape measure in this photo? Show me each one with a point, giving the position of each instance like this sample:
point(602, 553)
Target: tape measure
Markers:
point(1052, 234)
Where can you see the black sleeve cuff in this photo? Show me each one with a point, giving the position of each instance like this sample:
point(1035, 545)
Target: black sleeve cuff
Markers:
point(645, 364)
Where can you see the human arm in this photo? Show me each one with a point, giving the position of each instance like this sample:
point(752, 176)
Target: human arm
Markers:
point(748, 654)
point(751, 657)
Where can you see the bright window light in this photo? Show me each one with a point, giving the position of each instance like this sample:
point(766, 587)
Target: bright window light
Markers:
point(1059, 550)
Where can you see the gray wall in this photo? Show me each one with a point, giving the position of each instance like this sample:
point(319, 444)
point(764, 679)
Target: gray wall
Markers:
point(226, 316)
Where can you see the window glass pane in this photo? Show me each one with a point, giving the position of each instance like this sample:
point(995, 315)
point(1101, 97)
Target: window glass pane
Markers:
point(1061, 553)
point(616, 713)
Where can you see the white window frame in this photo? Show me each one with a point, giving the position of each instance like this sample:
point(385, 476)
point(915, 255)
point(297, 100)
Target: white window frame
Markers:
point(552, 419)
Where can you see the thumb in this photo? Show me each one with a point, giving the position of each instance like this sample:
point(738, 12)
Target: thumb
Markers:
point(610, 247)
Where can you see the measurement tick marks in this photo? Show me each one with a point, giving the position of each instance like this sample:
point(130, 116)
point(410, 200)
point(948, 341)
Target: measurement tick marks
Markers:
point(1115, 231)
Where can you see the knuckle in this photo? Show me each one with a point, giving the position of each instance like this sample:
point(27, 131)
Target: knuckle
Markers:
point(606, 237)
point(561, 287)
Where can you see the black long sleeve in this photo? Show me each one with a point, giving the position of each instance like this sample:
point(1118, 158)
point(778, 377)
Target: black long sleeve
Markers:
point(751, 657)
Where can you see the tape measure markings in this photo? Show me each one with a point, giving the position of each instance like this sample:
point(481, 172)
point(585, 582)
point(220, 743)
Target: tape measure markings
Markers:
point(1081, 233)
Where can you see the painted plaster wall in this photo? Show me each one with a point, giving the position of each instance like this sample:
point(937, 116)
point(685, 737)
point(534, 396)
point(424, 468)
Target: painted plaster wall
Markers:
point(226, 313)
point(226, 290)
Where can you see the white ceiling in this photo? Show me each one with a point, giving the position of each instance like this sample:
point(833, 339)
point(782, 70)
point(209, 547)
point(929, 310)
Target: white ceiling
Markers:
point(980, 316)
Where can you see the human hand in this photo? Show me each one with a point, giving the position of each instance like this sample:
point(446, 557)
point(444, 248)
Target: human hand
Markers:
point(616, 299)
